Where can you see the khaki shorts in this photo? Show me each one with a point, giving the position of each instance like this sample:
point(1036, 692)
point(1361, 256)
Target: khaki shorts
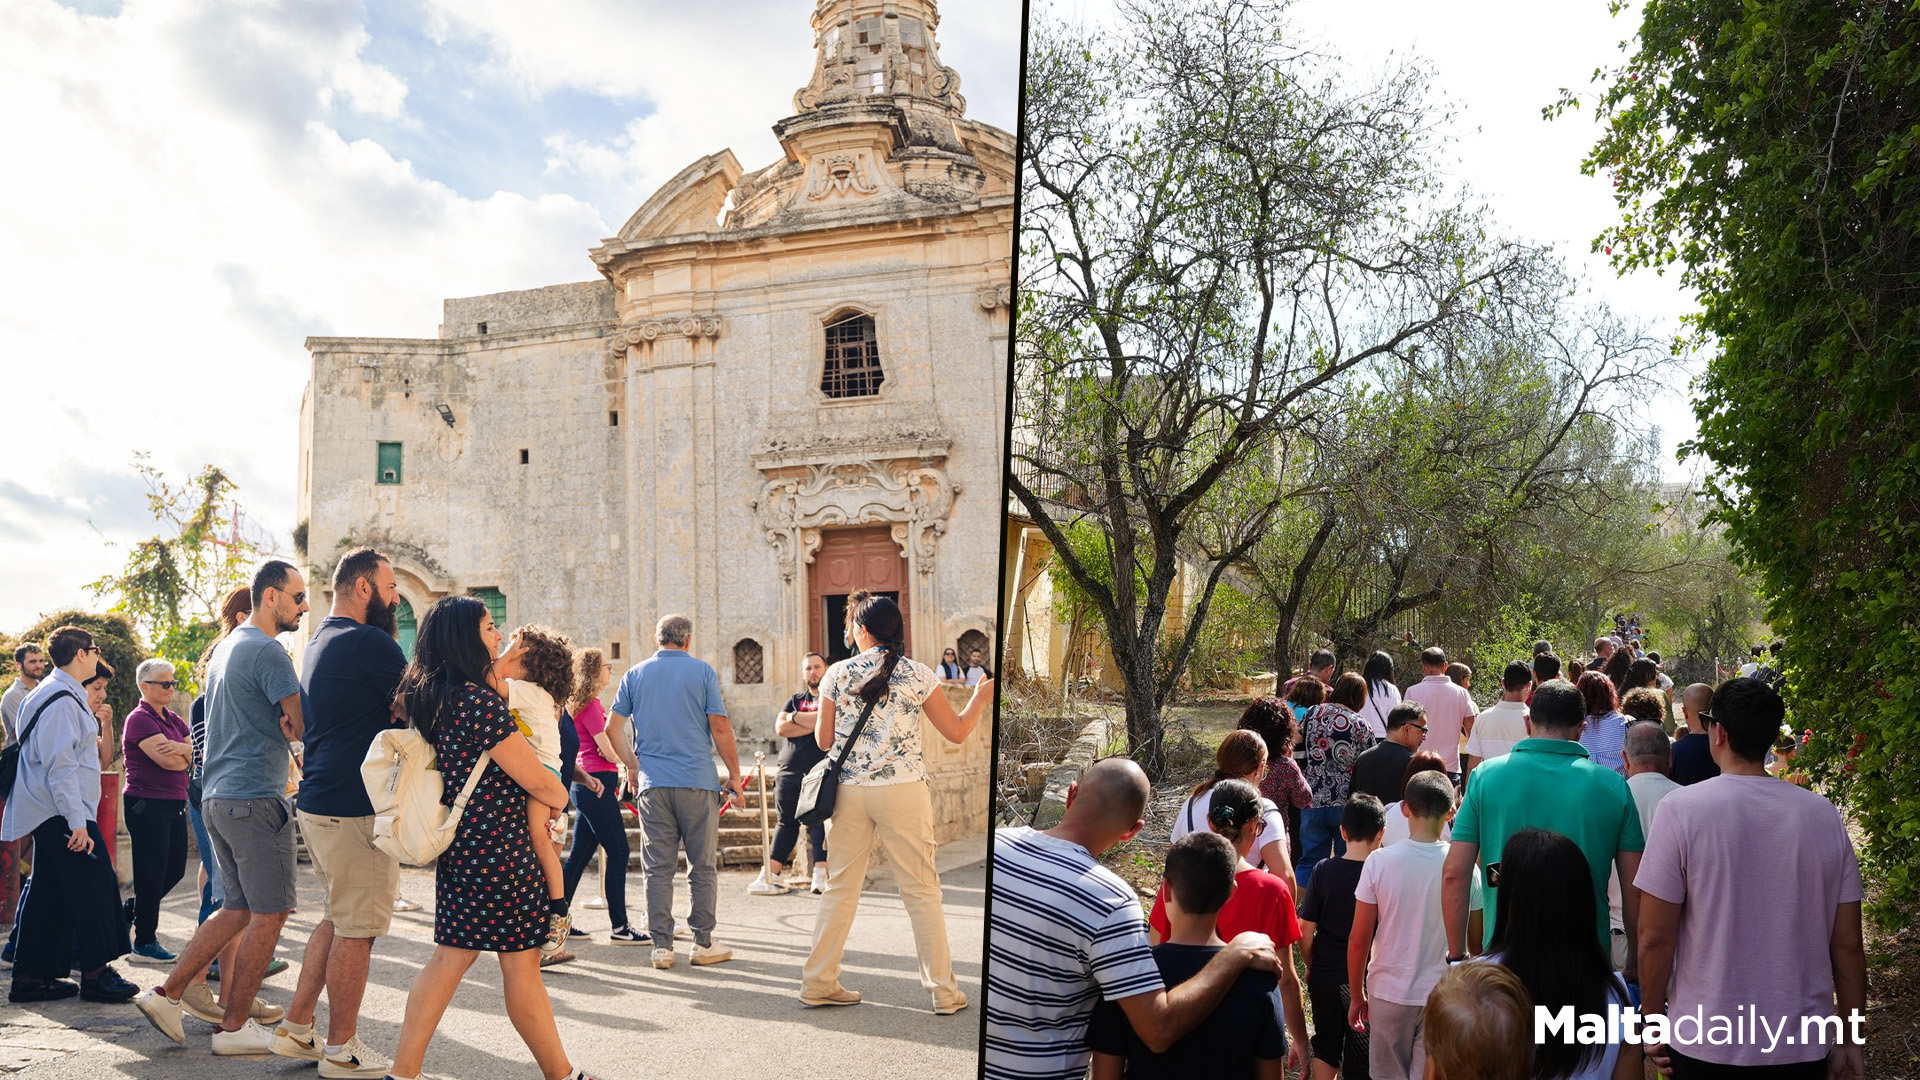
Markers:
point(360, 880)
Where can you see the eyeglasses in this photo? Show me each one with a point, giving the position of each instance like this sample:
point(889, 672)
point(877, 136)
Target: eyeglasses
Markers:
point(164, 684)
point(1421, 728)
point(1707, 718)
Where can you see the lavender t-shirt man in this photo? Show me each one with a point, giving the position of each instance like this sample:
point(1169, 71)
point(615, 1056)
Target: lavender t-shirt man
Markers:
point(1448, 706)
point(1760, 865)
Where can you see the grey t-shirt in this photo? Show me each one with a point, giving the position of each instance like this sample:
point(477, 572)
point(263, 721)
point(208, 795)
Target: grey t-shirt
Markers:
point(10, 710)
point(249, 675)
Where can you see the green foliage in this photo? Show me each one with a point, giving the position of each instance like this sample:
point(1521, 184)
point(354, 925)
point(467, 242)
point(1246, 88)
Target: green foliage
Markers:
point(173, 584)
point(120, 647)
point(1234, 640)
point(1765, 147)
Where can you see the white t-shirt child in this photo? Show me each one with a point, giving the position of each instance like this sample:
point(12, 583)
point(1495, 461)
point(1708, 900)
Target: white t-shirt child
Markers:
point(537, 718)
point(1410, 938)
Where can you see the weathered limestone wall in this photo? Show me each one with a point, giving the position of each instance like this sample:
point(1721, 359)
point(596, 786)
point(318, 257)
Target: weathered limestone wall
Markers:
point(528, 309)
point(959, 777)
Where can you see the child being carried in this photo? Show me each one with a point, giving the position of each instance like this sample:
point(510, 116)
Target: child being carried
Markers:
point(550, 674)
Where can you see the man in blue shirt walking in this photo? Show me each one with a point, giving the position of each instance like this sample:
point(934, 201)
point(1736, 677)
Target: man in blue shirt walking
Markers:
point(672, 699)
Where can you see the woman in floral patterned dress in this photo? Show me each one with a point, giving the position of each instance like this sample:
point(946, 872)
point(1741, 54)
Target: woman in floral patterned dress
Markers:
point(489, 895)
point(883, 798)
point(1333, 736)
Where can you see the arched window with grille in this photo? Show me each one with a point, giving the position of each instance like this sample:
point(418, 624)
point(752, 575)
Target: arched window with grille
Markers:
point(852, 367)
point(749, 662)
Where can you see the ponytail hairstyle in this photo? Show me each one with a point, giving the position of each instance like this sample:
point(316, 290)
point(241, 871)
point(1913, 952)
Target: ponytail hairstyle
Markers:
point(879, 616)
point(233, 611)
point(1241, 753)
point(1235, 805)
point(447, 655)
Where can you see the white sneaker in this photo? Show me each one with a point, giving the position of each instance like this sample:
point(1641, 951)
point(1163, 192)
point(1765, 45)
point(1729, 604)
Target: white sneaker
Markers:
point(251, 1040)
point(302, 1046)
point(766, 886)
point(355, 1059)
point(663, 958)
point(711, 953)
point(164, 1015)
point(819, 880)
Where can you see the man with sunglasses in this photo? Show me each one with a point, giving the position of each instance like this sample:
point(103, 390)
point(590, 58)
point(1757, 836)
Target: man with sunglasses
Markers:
point(1382, 770)
point(1751, 904)
point(253, 715)
point(158, 751)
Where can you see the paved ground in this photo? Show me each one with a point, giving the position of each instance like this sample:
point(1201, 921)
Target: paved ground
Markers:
point(619, 1017)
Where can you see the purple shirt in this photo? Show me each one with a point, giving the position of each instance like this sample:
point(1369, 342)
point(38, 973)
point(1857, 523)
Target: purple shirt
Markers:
point(1760, 865)
point(147, 779)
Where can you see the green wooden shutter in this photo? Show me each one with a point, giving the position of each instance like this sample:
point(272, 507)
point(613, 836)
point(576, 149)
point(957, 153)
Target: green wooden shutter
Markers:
point(496, 602)
point(388, 470)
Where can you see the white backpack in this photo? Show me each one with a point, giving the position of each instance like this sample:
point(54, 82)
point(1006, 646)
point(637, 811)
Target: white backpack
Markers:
point(404, 783)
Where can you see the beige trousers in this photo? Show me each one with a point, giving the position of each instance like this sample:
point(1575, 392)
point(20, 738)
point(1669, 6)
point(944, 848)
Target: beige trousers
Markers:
point(899, 818)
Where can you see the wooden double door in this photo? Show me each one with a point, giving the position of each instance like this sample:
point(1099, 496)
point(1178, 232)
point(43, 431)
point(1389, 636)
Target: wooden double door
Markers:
point(849, 559)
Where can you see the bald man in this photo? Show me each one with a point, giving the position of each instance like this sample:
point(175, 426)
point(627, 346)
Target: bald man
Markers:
point(1692, 759)
point(1065, 932)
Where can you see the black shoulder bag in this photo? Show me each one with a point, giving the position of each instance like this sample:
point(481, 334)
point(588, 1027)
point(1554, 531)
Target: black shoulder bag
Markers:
point(10, 757)
point(822, 782)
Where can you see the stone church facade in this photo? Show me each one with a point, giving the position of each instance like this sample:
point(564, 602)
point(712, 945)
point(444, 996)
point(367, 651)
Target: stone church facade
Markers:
point(784, 384)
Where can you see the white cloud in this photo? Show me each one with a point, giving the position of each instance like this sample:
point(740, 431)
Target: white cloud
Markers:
point(182, 208)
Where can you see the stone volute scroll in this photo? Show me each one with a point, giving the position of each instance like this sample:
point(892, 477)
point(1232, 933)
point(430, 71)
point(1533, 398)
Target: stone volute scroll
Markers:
point(639, 333)
point(797, 501)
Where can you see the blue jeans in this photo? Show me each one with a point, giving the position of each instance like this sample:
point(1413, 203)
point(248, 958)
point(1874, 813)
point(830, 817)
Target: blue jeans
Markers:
point(1319, 839)
point(598, 825)
point(211, 894)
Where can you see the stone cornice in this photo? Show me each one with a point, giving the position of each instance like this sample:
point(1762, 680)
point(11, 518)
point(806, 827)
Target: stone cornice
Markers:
point(452, 345)
point(930, 448)
point(859, 222)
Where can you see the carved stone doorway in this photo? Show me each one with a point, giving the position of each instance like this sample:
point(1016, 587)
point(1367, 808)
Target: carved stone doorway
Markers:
point(849, 559)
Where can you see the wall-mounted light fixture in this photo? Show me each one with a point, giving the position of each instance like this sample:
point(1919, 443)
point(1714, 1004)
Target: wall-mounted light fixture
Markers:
point(445, 414)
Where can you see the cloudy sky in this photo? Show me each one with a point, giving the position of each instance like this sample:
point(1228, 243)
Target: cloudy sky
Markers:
point(195, 186)
point(1495, 64)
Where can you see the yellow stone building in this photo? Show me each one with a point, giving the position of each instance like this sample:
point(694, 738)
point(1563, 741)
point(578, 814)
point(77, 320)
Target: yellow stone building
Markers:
point(783, 384)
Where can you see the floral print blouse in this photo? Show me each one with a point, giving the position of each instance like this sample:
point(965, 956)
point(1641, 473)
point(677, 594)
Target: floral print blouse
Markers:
point(1333, 737)
point(888, 751)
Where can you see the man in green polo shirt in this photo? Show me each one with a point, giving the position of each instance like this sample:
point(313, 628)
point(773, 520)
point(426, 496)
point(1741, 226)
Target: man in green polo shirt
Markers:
point(1547, 782)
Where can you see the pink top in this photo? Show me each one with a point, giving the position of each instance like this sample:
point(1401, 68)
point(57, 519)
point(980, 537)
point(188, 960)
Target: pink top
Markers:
point(1759, 866)
point(591, 720)
point(145, 778)
point(1448, 707)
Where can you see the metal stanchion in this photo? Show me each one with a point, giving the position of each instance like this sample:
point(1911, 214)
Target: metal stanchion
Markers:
point(766, 834)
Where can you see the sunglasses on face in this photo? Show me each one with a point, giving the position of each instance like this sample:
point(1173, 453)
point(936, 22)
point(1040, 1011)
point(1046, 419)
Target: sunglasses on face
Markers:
point(164, 684)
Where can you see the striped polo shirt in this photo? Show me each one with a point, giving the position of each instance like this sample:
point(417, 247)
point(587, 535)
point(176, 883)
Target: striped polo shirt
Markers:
point(1064, 932)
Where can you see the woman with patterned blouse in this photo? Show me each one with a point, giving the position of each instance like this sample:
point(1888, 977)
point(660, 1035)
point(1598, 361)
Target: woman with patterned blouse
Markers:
point(1333, 736)
point(883, 798)
point(489, 894)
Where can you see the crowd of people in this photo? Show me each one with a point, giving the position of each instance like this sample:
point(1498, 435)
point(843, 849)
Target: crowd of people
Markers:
point(1457, 873)
point(519, 733)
